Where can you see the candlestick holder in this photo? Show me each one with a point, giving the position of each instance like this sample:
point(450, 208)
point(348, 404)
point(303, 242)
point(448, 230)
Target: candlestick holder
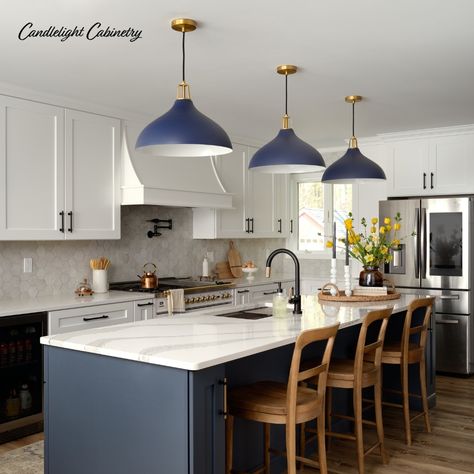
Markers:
point(333, 273)
point(347, 280)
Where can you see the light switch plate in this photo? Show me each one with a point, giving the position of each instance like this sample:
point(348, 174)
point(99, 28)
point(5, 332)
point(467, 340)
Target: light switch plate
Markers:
point(27, 265)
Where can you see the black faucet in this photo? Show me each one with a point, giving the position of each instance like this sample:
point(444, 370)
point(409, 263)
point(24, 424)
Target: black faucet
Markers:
point(296, 299)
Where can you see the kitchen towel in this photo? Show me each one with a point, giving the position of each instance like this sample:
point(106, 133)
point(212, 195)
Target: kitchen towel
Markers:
point(176, 301)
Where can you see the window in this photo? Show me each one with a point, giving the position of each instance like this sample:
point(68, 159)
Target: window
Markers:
point(319, 206)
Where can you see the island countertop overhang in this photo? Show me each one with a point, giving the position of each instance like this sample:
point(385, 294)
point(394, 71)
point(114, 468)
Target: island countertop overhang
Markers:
point(198, 340)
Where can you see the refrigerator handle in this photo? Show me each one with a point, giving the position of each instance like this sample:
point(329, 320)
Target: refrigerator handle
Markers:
point(423, 242)
point(417, 239)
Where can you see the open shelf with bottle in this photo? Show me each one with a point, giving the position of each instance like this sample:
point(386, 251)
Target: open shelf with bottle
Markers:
point(21, 374)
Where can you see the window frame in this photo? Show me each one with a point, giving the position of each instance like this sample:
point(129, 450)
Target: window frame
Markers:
point(292, 242)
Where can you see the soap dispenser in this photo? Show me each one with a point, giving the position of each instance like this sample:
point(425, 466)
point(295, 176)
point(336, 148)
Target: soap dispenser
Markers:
point(279, 303)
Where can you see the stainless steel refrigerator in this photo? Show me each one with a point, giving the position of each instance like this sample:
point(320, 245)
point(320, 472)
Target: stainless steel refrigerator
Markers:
point(438, 260)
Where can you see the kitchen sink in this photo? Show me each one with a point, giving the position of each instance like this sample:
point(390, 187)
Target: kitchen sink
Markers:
point(255, 313)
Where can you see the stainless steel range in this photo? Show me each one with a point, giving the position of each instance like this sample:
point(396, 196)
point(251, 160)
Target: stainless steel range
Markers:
point(197, 294)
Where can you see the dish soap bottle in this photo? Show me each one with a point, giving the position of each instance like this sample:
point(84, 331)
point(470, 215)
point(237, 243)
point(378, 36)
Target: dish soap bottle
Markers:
point(279, 303)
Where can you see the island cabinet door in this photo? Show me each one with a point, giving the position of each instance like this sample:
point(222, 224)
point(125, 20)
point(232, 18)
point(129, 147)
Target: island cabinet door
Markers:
point(207, 391)
point(105, 415)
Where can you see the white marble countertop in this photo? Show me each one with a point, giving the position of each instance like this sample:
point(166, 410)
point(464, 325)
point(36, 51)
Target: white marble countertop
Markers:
point(198, 340)
point(14, 306)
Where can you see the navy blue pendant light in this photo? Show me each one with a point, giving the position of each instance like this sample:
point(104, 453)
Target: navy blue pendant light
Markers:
point(183, 130)
point(353, 167)
point(287, 153)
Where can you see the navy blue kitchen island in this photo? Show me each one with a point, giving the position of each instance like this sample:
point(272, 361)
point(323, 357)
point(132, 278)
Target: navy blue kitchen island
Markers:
point(148, 397)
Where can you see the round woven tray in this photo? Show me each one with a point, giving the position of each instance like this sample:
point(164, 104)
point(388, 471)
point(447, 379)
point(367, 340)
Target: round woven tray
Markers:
point(358, 299)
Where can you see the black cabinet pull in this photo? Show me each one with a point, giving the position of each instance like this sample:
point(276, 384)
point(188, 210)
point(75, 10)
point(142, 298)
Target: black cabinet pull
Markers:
point(61, 229)
point(424, 180)
point(247, 225)
point(144, 304)
point(243, 291)
point(251, 220)
point(291, 226)
point(431, 180)
point(104, 316)
point(279, 226)
point(70, 221)
point(270, 292)
point(224, 411)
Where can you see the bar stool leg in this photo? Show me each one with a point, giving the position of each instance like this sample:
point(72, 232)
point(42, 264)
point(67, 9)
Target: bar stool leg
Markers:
point(379, 419)
point(302, 443)
point(323, 467)
point(229, 441)
point(291, 447)
point(266, 429)
point(358, 430)
point(406, 402)
point(424, 397)
point(329, 414)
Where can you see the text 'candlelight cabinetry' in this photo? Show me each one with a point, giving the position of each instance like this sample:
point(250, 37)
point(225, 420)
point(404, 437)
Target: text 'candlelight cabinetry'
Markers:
point(60, 172)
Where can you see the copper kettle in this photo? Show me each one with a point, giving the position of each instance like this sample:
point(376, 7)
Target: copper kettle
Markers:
point(149, 280)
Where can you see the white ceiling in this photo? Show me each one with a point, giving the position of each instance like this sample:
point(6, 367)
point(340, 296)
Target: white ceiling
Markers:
point(412, 60)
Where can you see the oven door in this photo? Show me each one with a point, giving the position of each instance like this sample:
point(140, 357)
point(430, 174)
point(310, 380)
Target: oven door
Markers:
point(445, 249)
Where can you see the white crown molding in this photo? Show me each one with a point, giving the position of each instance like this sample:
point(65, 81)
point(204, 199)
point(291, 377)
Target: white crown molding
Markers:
point(427, 133)
point(18, 92)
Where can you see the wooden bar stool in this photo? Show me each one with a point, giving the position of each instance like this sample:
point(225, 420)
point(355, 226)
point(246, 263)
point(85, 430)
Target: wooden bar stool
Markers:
point(286, 404)
point(406, 352)
point(358, 374)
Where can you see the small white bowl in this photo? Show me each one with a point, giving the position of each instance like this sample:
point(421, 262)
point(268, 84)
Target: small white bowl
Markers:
point(249, 272)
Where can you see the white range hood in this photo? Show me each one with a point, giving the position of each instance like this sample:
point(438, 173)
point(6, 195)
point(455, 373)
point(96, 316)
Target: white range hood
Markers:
point(164, 181)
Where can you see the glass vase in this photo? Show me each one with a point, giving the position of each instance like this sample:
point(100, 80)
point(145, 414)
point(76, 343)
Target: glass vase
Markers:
point(370, 276)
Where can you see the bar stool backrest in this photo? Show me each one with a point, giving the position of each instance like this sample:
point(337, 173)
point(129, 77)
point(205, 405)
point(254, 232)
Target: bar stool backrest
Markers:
point(363, 348)
point(409, 330)
point(320, 371)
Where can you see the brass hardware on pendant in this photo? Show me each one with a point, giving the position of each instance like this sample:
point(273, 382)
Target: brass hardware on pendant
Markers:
point(184, 25)
point(286, 69)
point(351, 99)
point(183, 91)
point(353, 142)
point(286, 122)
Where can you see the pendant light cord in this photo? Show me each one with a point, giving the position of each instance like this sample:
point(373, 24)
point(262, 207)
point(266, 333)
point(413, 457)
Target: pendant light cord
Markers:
point(286, 94)
point(353, 118)
point(184, 57)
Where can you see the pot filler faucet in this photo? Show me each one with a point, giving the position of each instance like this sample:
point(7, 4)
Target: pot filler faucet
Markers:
point(296, 298)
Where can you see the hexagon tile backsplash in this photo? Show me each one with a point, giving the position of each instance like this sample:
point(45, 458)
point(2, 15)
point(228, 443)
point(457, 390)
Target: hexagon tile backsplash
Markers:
point(58, 266)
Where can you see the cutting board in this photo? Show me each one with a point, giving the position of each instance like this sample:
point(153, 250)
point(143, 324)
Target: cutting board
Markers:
point(223, 270)
point(235, 262)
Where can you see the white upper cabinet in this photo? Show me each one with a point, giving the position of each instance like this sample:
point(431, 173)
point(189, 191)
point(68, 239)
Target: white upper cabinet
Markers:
point(92, 176)
point(31, 170)
point(59, 172)
point(452, 165)
point(431, 165)
point(260, 206)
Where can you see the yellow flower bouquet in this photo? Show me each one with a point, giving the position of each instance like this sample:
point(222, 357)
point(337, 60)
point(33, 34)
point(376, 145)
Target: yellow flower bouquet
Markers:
point(371, 247)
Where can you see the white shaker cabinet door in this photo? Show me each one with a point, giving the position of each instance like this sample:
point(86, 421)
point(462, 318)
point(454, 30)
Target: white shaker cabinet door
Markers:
point(31, 170)
point(452, 165)
point(408, 171)
point(92, 176)
point(262, 202)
